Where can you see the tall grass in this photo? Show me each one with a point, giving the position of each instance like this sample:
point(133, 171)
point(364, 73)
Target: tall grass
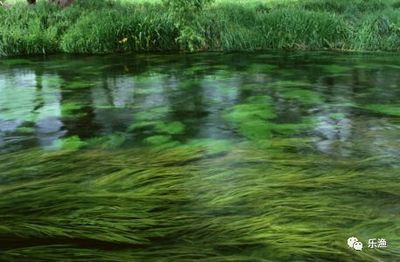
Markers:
point(136, 26)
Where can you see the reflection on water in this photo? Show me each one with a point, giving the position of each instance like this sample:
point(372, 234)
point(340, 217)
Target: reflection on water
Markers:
point(206, 157)
point(45, 100)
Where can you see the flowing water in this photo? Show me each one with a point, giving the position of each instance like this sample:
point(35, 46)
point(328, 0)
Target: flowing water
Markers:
point(206, 157)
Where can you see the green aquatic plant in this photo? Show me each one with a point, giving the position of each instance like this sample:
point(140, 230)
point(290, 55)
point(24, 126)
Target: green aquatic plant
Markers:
point(211, 146)
point(71, 110)
point(304, 96)
point(112, 141)
point(293, 128)
point(256, 118)
point(251, 118)
point(387, 109)
point(169, 202)
point(289, 84)
point(79, 84)
point(336, 69)
point(153, 113)
point(158, 139)
point(25, 130)
point(15, 61)
point(72, 143)
point(172, 128)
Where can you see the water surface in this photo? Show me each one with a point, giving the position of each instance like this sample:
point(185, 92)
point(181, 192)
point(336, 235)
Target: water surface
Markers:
point(216, 157)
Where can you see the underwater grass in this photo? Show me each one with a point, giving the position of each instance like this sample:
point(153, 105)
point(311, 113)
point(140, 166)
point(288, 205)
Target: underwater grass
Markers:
point(142, 26)
point(263, 192)
point(183, 204)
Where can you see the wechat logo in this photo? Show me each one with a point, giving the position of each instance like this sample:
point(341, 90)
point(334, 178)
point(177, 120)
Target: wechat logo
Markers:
point(353, 243)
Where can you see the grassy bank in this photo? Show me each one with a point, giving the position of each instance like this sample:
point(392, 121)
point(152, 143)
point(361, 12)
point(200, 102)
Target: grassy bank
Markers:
point(148, 26)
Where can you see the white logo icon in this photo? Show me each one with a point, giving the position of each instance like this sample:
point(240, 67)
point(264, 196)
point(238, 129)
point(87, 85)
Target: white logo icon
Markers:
point(358, 246)
point(353, 242)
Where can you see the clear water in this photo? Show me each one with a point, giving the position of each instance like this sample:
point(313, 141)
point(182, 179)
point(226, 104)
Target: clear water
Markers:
point(239, 157)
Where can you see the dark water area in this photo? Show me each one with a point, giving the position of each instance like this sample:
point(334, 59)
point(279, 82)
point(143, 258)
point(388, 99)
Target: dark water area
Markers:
point(220, 157)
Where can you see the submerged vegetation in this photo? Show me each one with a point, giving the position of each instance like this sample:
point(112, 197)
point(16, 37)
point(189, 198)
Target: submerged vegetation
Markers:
point(204, 157)
point(140, 26)
point(180, 204)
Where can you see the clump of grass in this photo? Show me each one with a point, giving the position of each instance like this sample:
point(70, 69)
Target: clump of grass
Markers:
point(379, 32)
point(121, 30)
point(140, 26)
point(22, 31)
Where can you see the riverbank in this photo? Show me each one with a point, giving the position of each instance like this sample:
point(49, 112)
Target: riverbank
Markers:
point(95, 27)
